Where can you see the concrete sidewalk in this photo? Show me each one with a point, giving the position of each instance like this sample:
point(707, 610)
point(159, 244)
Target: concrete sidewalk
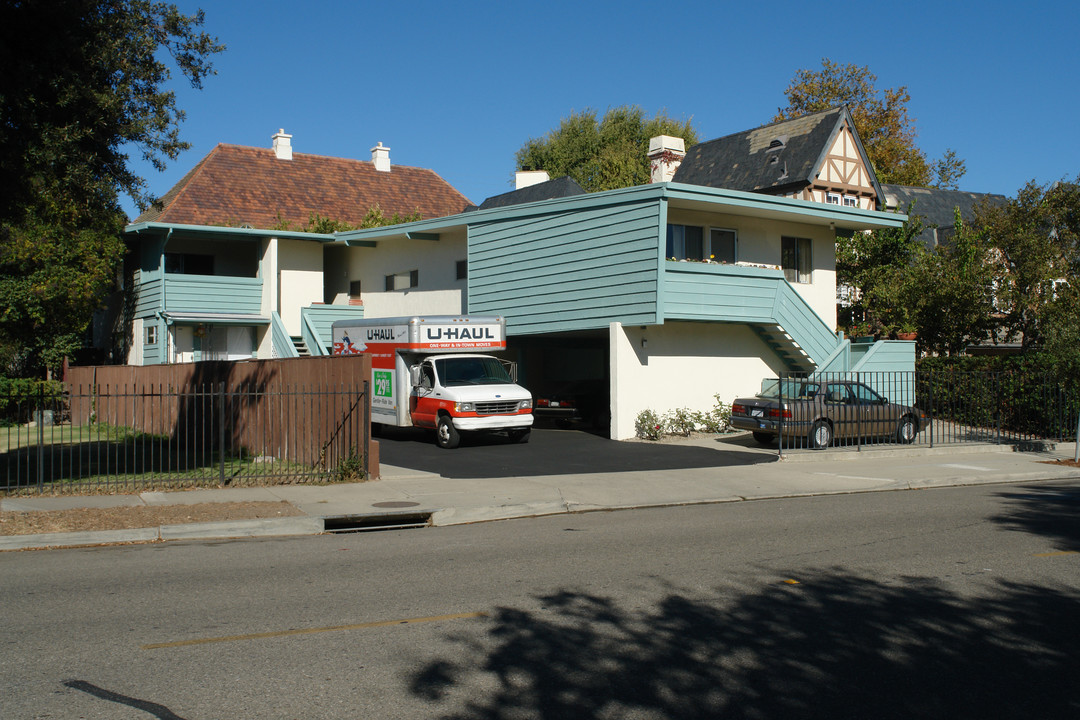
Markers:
point(404, 496)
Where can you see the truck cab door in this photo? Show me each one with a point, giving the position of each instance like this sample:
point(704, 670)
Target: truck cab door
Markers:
point(423, 403)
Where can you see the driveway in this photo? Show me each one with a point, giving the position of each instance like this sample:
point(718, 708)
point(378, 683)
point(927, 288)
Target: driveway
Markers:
point(552, 452)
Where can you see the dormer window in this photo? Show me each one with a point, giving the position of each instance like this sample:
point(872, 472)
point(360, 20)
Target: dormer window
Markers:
point(777, 144)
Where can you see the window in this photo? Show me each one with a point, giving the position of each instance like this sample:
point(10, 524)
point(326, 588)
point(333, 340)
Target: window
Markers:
point(189, 264)
point(722, 245)
point(690, 242)
point(403, 280)
point(851, 201)
point(796, 259)
point(685, 242)
point(151, 335)
point(462, 269)
point(832, 198)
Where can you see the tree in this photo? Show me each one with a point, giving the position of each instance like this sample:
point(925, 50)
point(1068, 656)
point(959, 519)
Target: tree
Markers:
point(881, 119)
point(602, 154)
point(82, 85)
point(1036, 238)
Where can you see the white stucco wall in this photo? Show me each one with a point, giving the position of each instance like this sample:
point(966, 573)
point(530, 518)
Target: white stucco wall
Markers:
point(683, 365)
point(300, 279)
point(439, 291)
point(759, 240)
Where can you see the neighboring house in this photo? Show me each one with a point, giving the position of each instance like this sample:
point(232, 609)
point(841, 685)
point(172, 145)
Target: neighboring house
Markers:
point(817, 157)
point(220, 270)
point(937, 208)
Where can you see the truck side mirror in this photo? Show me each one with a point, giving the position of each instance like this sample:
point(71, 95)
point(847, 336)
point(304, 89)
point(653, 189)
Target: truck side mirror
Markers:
point(414, 375)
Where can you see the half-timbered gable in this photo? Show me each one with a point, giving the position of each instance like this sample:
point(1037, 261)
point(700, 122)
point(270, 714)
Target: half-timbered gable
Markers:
point(817, 157)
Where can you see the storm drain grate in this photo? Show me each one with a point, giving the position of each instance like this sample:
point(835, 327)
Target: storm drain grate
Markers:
point(371, 523)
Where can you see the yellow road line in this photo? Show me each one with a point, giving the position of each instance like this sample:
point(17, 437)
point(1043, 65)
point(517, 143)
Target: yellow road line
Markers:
point(1055, 554)
point(311, 631)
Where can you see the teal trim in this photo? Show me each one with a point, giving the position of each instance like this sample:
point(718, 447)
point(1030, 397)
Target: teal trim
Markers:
point(310, 336)
point(283, 346)
point(213, 294)
point(151, 228)
point(661, 252)
point(316, 324)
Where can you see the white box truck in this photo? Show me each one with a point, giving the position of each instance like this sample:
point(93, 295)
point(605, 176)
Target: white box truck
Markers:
point(427, 372)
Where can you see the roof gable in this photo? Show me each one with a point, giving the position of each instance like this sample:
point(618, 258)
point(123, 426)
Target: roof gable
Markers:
point(560, 187)
point(768, 158)
point(238, 186)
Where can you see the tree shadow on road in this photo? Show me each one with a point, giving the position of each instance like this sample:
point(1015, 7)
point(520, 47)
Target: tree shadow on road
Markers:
point(1050, 511)
point(836, 646)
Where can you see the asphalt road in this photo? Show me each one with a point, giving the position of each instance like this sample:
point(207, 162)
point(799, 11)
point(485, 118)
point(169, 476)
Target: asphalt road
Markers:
point(950, 603)
point(549, 452)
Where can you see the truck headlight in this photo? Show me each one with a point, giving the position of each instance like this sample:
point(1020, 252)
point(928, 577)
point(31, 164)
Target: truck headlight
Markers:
point(465, 407)
point(525, 404)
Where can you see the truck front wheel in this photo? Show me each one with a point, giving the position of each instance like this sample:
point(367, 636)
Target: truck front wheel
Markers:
point(520, 436)
point(446, 435)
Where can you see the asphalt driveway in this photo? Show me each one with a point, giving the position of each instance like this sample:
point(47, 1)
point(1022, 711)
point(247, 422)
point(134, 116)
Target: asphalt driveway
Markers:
point(551, 452)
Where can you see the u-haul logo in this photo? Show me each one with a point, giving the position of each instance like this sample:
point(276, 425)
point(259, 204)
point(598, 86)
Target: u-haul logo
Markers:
point(380, 334)
point(443, 334)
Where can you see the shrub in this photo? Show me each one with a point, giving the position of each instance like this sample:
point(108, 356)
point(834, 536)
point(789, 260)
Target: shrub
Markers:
point(648, 425)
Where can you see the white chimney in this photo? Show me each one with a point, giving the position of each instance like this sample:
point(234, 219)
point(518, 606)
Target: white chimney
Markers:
point(525, 178)
point(283, 145)
point(666, 153)
point(380, 155)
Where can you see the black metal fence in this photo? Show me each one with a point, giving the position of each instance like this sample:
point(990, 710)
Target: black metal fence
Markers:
point(929, 408)
point(127, 438)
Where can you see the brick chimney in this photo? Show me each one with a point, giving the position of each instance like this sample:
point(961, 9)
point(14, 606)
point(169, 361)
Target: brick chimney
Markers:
point(666, 153)
point(380, 156)
point(526, 178)
point(283, 145)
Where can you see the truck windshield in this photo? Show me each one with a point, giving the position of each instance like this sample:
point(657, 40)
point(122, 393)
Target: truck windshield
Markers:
point(471, 371)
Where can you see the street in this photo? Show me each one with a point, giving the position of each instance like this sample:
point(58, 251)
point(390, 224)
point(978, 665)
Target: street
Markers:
point(957, 603)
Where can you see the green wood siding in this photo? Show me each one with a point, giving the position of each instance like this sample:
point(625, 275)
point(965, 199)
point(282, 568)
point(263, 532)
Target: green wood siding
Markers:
point(568, 270)
point(148, 294)
point(213, 294)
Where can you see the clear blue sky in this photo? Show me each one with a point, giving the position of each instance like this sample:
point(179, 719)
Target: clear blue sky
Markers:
point(459, 87)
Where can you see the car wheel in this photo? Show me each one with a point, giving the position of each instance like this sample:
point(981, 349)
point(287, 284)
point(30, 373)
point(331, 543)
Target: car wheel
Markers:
point(446, 435)
point(820, 435)
point(905, 431)
point(765, 438)
point(520, 436)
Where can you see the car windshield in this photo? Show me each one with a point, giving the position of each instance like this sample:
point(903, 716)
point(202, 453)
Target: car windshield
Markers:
point(459, 371)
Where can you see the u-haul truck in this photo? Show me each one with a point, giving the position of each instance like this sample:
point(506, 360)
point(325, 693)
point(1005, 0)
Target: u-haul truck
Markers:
point(427, 372)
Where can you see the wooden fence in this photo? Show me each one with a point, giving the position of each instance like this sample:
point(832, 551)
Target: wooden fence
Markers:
point(304, 410)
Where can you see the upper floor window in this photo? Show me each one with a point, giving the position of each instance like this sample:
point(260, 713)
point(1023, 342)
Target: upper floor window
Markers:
point(151, 335)
point(690, 242)
point(685, 242)
point(851, 201)
point(403, 280)
point(796, 258)
point(832, 198)
point(189, 264)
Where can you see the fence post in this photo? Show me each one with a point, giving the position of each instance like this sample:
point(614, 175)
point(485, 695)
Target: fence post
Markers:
point(41, 438)
point(221, 432)
point(366, 430)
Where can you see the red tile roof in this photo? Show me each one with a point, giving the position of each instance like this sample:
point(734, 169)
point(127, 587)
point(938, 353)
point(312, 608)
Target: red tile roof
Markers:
point(238, 186)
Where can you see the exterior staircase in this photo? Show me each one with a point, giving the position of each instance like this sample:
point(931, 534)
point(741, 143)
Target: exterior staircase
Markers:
point(301, 346)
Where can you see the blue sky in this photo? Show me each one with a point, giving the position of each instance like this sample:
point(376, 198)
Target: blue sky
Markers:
point(459, 87)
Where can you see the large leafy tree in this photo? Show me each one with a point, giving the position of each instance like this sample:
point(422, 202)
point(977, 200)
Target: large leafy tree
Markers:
point(881, 119)
point(84, 83)
point(1036, 240)
point(602, 153)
